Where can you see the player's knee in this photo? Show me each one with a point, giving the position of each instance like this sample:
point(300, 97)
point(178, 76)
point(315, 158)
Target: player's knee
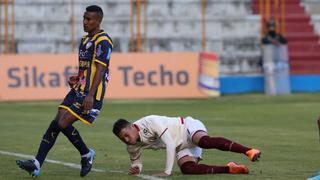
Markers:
point(62, 124)
point(204, 141)
point(188, 167)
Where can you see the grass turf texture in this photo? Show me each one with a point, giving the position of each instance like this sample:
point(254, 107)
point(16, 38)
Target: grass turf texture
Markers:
point(283, 127)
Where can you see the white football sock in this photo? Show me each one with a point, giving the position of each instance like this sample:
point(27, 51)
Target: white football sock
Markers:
point(36, 162)
point(86, 155)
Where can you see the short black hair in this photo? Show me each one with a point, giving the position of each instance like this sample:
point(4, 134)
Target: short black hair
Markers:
point(97, 9)
point(119, 125)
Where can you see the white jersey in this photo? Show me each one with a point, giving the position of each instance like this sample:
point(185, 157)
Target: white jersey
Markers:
point(158, 132)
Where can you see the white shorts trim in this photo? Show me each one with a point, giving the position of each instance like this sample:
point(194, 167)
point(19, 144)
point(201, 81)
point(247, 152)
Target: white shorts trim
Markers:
point(195, 152)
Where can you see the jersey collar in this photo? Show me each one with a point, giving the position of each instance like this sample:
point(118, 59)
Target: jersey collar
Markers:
point(136, 126)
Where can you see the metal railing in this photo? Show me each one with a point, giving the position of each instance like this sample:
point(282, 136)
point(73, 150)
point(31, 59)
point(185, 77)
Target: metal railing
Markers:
point(203, 23)
point(138, 38)
point(7, 25)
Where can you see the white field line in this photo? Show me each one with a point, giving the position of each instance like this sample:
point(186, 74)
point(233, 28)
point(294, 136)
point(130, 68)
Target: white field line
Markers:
point(77, 166)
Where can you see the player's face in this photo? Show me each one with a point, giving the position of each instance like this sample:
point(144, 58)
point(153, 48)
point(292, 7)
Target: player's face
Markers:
point(91, 21)
point(129, 135)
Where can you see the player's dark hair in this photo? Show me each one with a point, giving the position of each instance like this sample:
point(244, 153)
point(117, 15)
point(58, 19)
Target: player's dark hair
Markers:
point(96, 9)
point(119, 125)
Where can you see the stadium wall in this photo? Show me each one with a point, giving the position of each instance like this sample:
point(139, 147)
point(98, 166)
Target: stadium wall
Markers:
point(306, 83)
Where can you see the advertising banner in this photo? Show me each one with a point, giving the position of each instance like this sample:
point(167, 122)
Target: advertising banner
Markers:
point(209, 74)
point(132, 76)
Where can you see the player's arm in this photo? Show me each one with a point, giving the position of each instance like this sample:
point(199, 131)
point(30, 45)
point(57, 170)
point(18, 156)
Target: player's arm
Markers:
point(136, 167)
point(103, 51)
point(136, 164)
point(170, 151)
point(74, 78)
point(88, 101)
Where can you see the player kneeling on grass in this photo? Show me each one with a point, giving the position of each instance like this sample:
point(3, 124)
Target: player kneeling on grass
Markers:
point(183, 137)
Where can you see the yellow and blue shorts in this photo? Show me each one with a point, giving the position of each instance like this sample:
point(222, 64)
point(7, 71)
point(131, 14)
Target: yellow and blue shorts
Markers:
point(73, 103)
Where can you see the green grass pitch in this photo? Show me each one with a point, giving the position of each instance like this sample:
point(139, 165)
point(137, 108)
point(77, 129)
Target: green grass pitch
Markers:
point(283, 127)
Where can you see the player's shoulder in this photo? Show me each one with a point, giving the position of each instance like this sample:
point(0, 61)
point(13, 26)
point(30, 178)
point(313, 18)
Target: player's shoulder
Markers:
point(104, 34)
point(155, 119)
point(104, 37)
point(84, 37)
point(150, 117)
point(145, 119)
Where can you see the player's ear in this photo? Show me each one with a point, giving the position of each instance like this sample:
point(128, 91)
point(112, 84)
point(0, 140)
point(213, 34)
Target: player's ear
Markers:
point(99, 18)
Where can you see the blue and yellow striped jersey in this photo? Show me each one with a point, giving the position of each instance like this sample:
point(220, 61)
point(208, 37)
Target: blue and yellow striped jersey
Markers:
point(92, 50)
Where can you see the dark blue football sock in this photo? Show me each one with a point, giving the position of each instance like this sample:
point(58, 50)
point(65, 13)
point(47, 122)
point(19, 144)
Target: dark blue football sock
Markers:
point(48, 140)
point(74, 137)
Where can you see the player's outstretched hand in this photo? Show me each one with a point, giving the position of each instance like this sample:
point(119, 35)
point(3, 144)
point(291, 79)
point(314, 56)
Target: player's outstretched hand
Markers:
point(134, 170)
point(73, 80)
point(161, 174)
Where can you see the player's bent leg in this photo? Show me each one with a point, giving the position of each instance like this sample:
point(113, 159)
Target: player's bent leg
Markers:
point(87, 156)
point(65, 123)
point(47, 142)
point(221, 143)
point(189, 165)
point(202, 140)
point(74, 137)
point(86, 163)
point(197, 136)
point(194, 168)
point(66, 119)
point(29, 166)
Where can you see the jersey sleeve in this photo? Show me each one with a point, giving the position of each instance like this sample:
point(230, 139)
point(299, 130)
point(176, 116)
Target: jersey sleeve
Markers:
point(161, 129)
point(103, 51)
point(81, 41)
point(170, 152)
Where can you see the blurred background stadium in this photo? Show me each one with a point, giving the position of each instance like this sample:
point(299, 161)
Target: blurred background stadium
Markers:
point(199, 49)
point(230, 28)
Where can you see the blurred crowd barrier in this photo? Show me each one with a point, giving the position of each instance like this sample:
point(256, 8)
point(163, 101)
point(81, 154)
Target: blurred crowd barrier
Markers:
point(132, 76)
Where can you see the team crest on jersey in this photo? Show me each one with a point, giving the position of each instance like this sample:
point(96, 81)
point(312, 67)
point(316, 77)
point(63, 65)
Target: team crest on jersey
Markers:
point(88, 45)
